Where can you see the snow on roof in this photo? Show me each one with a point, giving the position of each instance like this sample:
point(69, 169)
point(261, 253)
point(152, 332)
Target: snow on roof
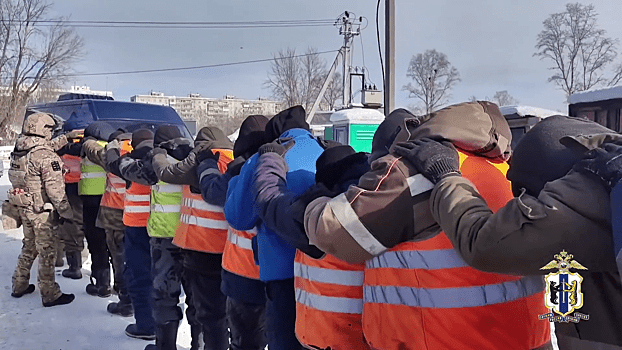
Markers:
point(596, 95)
point(358, 115)
point(523, 111)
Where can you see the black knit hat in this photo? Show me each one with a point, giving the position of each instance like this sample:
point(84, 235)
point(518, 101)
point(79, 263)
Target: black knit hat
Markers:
point(386, 133)
point(251, 136)
point(327, 163)
point(100, 130)
point(116, 133)
point(166, 133)
point(214, 136)
point(539, 157)
point(141, 135)
point(291, 118)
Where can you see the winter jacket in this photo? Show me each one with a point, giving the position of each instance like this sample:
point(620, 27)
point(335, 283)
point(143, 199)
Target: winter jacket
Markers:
point(276, 257)
point(134, 166)
point(180, 173)
point(571, 213)
point(95, 152)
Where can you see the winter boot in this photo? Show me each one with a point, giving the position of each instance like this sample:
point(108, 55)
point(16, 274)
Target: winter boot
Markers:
point(195, 334)
point(101, 287)
point(28, 290)
point(62, 300)
point(123, 307)
point(166, 337)
point(74, 260)
point(133, 331)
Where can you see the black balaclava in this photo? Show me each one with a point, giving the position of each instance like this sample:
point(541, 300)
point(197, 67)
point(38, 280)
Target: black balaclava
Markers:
point(141, 135)
point(250, 137)
point(116, 133)
point(291, 118)
point(214, 137)
point(340, 166)
point(539, 157)
point(100, 130)
point(387, 132)
point(166, 133)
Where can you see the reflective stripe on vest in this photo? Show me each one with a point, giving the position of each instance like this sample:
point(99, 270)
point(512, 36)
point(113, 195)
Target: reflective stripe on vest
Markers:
point(423, 291)
point(72, 165)
point(165, 210)
point(237, 256)
point(202, 226)
point(92, 177)
point(136, 205)
point(329, 297)
point(115, 186)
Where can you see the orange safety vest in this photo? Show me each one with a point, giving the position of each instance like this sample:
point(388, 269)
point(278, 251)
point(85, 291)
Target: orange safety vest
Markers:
point(114, 193)
point(137, 205)
point(329, 303)
point(202, 226)
point(72, 164)
point(237, 256)
point(422, 295)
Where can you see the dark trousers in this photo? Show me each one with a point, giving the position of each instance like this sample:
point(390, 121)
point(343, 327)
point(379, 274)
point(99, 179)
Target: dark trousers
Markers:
point(208, 303)
point(95, 236)
point(137, 274)
point(281, 315)
point(247, 323)
point(167, 270)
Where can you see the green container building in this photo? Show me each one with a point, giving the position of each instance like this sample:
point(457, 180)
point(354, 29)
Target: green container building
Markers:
point(354, 127)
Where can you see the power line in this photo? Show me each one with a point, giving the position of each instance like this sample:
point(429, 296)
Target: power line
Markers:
point(194, 67)
point(185, 24)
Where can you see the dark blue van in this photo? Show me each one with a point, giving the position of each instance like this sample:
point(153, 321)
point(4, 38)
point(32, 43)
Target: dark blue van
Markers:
point(78, 111)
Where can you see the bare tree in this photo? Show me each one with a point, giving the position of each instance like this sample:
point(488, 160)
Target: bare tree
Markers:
point(297, 79)
point(30, 56)
point(503, 98)
point(617, 75)
point(433, 76)
point(334, 92)
point(580, 51)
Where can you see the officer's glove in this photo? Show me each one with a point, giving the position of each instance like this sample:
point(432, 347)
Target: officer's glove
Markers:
point(114, 144)
point(74, 134)
point(604, 162)
point(435, 160)
point(278, 146)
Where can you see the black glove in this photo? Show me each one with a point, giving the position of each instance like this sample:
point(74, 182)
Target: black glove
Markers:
point(604, 162)
point(278, 146)
point(157, 150)
point(206, 153)
point(235, 166)
point(435, 160)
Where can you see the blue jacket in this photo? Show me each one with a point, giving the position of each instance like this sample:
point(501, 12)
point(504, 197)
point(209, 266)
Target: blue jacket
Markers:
point(276, 257)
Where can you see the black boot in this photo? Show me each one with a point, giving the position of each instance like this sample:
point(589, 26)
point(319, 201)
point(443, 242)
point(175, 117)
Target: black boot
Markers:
point(62, 300)
point(195, 334)
point(74, 260)
point(28, 290)
point(101, 287)
point(123, 307)
point(166, 336)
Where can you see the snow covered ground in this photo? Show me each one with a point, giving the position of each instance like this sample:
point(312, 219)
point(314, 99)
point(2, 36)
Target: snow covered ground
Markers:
point(83, 324)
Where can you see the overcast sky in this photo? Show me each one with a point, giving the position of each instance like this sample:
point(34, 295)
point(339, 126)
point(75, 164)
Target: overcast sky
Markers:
point(490, 42)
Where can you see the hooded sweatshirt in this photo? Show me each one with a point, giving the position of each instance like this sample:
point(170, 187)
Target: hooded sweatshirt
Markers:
point(276, 257)
point(557, 209)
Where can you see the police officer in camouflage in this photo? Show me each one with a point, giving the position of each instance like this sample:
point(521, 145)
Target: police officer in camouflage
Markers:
point(39, 194)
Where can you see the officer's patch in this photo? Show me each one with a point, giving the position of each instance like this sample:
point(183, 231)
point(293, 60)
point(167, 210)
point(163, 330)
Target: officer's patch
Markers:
point(55, 166)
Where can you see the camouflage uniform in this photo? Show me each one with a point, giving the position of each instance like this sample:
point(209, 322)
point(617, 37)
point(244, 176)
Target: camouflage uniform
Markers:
point(38, 190)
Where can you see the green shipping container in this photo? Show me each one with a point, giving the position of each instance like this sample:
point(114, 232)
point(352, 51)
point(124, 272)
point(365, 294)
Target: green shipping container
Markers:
point(355, 127)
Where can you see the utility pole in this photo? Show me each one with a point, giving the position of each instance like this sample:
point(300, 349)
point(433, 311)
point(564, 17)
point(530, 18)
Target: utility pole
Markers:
point(349, 27)
point(389, 48)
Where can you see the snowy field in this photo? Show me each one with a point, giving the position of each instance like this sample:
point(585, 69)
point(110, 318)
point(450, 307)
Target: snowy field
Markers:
point(82, 325)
